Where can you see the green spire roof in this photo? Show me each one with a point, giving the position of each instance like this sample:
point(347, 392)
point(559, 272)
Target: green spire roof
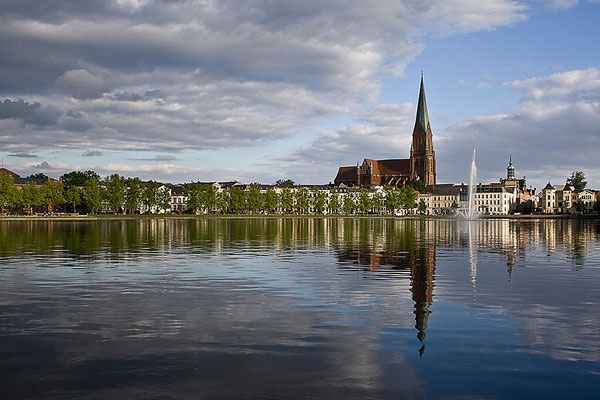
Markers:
point(422, 115)
point(510, 166)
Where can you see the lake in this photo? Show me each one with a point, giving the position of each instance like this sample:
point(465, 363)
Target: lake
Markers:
point(300, 308)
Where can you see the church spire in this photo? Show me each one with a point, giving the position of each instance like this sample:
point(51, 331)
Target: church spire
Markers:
point(422, 115)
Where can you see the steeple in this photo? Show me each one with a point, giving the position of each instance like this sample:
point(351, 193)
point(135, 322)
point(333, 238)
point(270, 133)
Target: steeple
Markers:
point(422, 156)
point(510, 170)
point(422, 115)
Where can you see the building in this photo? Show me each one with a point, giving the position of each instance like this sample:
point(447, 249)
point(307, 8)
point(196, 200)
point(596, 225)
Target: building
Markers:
point(398, 172)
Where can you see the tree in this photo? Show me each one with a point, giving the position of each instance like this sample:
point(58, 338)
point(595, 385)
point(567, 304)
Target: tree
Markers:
point(349, 204)
point(208, 197)
point(114, 192)
point(73, 196)
point(192, 192)
point(287, 200)
point(597, 206)
point(577, 180)
point(39, 175)
point(255, 199)
point(422, 207)
point(377, 202)
point(408, 198)
point(133, 193)
point(9, 193)
point(52, 193)
point(364, 201)
point(163, 199)
point(271, 201)
point(418, 185)
point(91, 195)
point(31, 196)
point(392, 199)
point(150, 195)
point(288, 183)
point(319, 200)
point(334, 202)
point(237, 199)
point(301, 198)
point(222, 201)
point(78, 178)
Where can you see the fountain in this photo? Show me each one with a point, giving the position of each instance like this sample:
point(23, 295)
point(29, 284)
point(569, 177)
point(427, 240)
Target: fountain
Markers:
point(471, 214)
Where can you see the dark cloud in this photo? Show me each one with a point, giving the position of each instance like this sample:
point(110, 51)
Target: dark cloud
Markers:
point(92, 153)
point(30, 113)
point(23, 155)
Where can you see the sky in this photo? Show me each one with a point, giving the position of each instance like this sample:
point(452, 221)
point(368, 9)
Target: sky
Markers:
point(261, 90)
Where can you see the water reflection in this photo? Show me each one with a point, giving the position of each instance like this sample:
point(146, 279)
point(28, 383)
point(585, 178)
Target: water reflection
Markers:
point(298, 307)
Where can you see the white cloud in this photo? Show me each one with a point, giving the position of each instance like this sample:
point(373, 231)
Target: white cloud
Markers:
point(570, 85)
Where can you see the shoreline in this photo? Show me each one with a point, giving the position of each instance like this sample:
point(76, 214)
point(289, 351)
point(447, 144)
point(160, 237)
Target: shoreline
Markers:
point(112, 217)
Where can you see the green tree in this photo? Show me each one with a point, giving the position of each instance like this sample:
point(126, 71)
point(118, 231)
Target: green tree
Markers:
point(39, 175)
point(163, 200)
point(288, 183)
point(377, 202)
point(150, 195)
point(52, 193)
point(334, 202)
point(418, 185)
point(407, 198)
point(364, 201)
point(392, 199)
point(301, 197)
point(287, 200)
point(209, 197)
point(114, 192)
point(237, 199)
point(271, 201)
point(74, 197)
point(192, 192)
point(222, 201)
point(31, 196)
point(78, 178)
point(133, 194)
point(422, 207)
point(577, 180)
point(92, 195)
point(349, 204)
point(319, 200)
point(9, 193)
point(255, 199)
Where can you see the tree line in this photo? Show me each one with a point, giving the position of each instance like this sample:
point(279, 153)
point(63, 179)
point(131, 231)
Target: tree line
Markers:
point(86, 192)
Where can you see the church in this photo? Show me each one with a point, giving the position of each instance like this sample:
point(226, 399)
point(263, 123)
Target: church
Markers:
point(398, 172)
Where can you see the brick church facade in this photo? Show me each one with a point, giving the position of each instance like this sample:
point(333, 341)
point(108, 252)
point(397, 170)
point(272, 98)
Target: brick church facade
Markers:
point(398, 172)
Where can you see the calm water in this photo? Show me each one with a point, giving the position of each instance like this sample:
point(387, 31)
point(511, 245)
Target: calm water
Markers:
point(299, 308)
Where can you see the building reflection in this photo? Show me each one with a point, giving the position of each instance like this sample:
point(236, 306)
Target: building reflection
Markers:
point(385, 249)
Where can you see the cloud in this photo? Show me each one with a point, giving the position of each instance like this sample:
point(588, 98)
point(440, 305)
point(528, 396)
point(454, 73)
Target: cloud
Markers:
point(158, 158)
point(43, 165)
point(92, 153)
point(29, 113)
point(581, 84)
point(23, 155)
point(82, 84)
point(484, 85)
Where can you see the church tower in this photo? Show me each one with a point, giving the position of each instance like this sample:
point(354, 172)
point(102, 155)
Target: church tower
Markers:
point(422, 156)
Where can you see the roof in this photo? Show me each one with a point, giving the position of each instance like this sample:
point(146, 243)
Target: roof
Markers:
point(346, 173)
point(422, 115)
point(447, 189)
point(548, 187)
point(5, 171)
point(390, 167)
